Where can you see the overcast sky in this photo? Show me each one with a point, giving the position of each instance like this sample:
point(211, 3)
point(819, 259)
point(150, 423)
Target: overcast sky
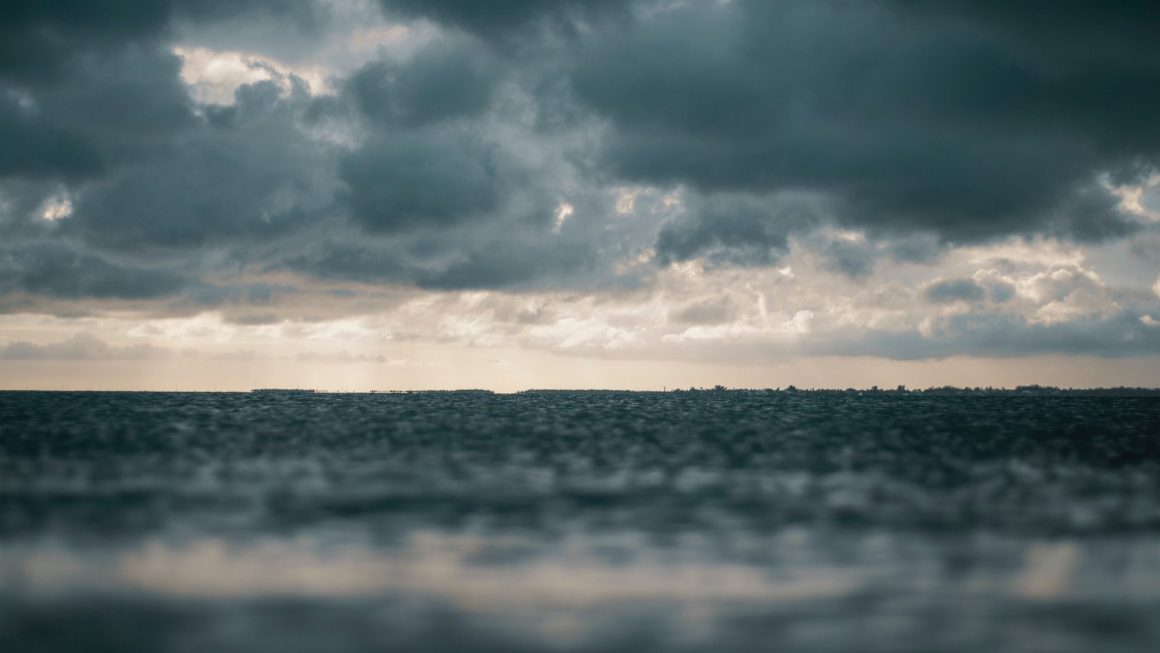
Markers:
point(358, 194)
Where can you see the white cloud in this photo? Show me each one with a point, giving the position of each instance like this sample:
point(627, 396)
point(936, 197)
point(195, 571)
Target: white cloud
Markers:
point(214, 75)
point(686, 312)
point(563, 212)
point(802, 321)
point(1141, 200)
point(57, 207)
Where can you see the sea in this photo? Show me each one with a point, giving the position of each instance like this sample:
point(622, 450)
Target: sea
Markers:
point(579, 521)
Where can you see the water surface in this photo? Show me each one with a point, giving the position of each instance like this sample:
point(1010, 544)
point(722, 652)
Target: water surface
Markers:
point(578, 521)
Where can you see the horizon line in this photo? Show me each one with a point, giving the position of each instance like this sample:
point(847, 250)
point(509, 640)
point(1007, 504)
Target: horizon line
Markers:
point(789, 389)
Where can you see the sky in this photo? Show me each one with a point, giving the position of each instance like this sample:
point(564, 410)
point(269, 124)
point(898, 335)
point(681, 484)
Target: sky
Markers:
point(641, 194)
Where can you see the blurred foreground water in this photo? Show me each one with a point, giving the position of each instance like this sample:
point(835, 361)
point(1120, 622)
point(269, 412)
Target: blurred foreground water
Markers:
point(578, 521)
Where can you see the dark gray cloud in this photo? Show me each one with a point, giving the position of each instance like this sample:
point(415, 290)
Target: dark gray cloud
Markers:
point(711, 311)
point(1000, 291)
point(92, 102)
point(451, 166)
point(504, 18)
point(735, 229)
point(939, 117)
point(248, 172)
point(41, 40)
point(441, 82)
point(446, 186)
point(512, 249)
point(988, 288)
point(104, 68)
point(58, 271)
point(854, 258)
point(107, 110)
point(857, 257)
point(1002, 335)
point(35, 149)
point(529, 264)
point(93, 108)
point(954, 290)
point(427, 180)
point(21, 209)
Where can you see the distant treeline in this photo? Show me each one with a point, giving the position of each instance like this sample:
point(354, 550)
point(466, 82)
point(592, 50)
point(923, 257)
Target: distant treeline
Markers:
point(283, 391)
point(946, 390)
point(308, 391)
point(466, 391)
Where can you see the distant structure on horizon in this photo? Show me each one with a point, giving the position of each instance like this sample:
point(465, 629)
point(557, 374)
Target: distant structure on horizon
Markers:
point(282, 391)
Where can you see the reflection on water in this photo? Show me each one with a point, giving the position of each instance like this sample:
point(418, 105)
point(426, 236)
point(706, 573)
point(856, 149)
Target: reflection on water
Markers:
point(577, 522)
point(463, 570)
point(589, 593)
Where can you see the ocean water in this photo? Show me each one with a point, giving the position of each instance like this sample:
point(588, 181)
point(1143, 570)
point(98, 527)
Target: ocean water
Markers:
point(578, 521)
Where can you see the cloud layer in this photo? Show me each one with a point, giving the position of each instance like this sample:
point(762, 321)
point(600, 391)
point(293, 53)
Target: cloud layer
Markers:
point(833, 159)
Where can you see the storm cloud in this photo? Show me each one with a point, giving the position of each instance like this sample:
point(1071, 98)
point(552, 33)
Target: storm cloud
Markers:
point(506, 18)
point(518, 146)
point(61, 272)
point(954, 290)
point(962, 121)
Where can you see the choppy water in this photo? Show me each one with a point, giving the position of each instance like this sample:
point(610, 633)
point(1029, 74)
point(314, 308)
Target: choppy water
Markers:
point(578, 521)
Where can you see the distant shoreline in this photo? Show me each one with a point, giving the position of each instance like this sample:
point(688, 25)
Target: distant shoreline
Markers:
point(943, 391)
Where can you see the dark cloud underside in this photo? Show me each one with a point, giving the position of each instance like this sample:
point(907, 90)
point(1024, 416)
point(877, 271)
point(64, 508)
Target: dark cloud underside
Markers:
point(60, 272)
point(506, 18)
point(492, 153)
point(967, 124)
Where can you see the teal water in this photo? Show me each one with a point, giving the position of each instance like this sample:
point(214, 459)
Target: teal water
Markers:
point(578, 521)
